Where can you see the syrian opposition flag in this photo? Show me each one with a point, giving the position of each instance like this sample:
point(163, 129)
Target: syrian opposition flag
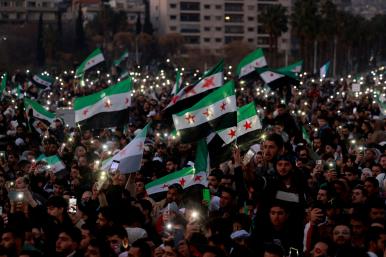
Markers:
point(215, 111)
point(93, 59)
point(106, 108)
point(189, 95)
point(295, 68)
point(306, 135)
point(42, 81)
point(190, 176)
point(324, 70)
point(178, 83)
point(275, 79)
point(3, 83)
point(53, 163)
point(130, 157)
point(251, 62)
point(17, 92)
point(118, 61)
point(247, 124)
point(38, 111)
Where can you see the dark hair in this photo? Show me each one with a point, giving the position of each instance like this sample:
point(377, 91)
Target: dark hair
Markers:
point(215, 251)
point(199, 241)
point(373, 181)
point(117, 230)
point(72, 232)
point(176, 186)
point(57, 201)
point(277, 139)
point(229, 191)
point(145, 204)
point(145, 249)
point(373, 234)
point(217, 173)
point(274, 249)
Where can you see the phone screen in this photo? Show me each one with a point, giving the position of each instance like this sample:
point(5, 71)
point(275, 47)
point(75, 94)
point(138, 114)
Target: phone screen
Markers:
point(114, 166)
point(72, 205)
point(206, 195)
point(248, 156)
point(16, 196)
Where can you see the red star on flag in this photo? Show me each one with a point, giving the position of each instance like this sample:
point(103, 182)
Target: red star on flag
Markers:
point(207, 113)
point(182, 181)
point(126, 100)
point(190, 90)
point(190, 118)
point(232, 133)
point(85, 112)
point(222, 106)
point(197, 178)
point(271, 74)
point(53, 169)
point(209, 82)
point(165, 186)
point(247, 125)
point(175, 99)
point(108, 104)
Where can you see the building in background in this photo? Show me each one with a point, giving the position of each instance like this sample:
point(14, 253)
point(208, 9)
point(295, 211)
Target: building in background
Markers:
point(25, 11)
point(211, 24)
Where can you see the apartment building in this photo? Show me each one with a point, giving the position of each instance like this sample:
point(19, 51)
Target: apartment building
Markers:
point(211, 24)
point(21, 11)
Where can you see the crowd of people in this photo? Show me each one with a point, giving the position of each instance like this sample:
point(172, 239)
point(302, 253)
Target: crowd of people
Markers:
point(314, 187)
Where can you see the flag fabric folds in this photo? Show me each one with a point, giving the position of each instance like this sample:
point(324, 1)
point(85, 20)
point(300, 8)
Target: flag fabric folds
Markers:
point(130, 157)
point(93, 59)
point(247, 121)
point(251, 62)
point(214, 112)
point(178, 83)
point(306, 135)
point(54, 163)
point(275, 79)
point(3, 83)
point(118, 61)
point(106, 108)
point(189, 95)
point(186, 177)
point(296, 67)
point(324, 70)
point(42, 81)
point(38, 111)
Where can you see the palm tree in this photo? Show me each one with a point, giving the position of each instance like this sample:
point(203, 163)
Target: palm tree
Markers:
point(275, 22)
point(305, 23)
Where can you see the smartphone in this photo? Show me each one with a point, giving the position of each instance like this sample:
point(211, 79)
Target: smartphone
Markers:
point(1, 210)
point(206, 194)
point(16, 196)
point(72, 205)
point(114, 166)
point(318, 162)
point(248, 156)
point(2, 155)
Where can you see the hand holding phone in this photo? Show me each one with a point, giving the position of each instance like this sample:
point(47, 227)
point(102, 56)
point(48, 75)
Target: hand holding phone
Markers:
point(114, 166)
point(72, 207)
point(248, 157)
